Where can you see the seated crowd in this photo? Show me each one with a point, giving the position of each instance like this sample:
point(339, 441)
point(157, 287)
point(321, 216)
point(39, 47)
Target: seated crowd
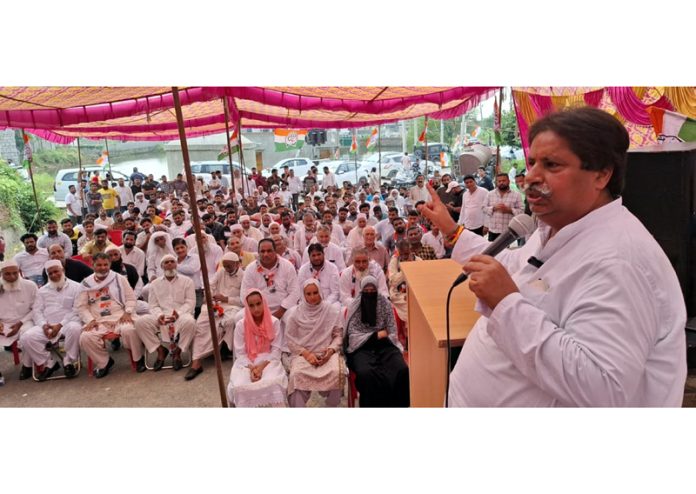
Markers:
point(305, 280)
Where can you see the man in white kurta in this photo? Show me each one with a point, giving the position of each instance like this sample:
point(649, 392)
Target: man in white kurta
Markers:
point(597, 319)
point(350, 277)
point(130, 254)
point(54, 316)
point(318, 268)
point(332, 252)
point(106, 306)
point(172, 300)
point(249, 230)
point(159, 245)
point(225, 289)
point(17, 297)
point(474, 199)
point(275, 277)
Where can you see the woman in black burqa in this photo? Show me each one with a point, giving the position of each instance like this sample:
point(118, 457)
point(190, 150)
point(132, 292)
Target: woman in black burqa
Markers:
point(373, 350)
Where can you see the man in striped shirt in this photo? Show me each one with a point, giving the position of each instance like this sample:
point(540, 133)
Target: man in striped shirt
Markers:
point(501, 205)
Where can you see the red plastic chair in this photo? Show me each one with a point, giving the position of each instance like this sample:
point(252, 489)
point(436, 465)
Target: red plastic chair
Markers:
point(82, 260)
point(115, 236)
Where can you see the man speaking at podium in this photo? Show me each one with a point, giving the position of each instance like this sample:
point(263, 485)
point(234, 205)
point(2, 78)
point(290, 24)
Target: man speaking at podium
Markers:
point(589, 312)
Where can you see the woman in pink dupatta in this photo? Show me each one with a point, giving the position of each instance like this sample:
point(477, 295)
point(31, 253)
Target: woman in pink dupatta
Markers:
point(258, 378)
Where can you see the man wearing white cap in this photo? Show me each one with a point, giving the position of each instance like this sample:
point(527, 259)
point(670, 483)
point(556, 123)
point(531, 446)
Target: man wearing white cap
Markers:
point(234, 244)
point(106, 306)
point(54, 317)
point(225, 289)
point(140, 202)
point(249, 230)
point(17, 297)
point(172, 300)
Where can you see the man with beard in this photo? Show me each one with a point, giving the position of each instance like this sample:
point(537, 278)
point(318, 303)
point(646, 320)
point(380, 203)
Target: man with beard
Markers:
point(17, 297)
point(288, 228)
point(53, 236)
point(127, 270)
point(159, 245)
point(275, 277)
point(73, 270)
point(325, 272)
point(106, 306)
point(343, 223)
point(501, 205)
point(332, 252)
point(180, 226)
point(225, 288)
point(215, 229)
point(283, 251)
point(172, 300)
point(189, 265)
point(130, 254)
point(349, 282)
point(249, 230)
point(399, 234)
point(473, 200)
point(32, 259)
point(305, 232)
point(54, 316)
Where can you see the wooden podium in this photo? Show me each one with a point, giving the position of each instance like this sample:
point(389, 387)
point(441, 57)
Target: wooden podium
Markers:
point(428, 283)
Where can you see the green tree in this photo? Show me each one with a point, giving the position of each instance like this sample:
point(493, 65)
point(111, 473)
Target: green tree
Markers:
point(509, 131)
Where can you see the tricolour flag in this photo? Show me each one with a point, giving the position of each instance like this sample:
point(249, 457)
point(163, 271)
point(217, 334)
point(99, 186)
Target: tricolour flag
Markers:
point(287, 139)
point(372, 140)
point(354, 144)
point(476, 131)
point(103, 160)
point(233, 145)
point(28, 155)
point(669, 124)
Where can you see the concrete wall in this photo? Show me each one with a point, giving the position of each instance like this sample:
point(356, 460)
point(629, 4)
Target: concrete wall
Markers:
point(8, 147)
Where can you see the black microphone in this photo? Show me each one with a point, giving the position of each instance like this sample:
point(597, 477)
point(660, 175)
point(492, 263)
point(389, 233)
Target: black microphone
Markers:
point(519, 226)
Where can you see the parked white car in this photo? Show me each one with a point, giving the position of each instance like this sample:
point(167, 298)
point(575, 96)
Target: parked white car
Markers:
point(68, 176)
point(204, 169)
point(301, 167)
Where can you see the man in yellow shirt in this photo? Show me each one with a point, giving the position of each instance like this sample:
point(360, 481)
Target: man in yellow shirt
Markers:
point(110, 197)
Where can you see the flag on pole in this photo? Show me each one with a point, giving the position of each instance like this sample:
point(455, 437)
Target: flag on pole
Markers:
point(669, 124)
point(103, 160)
point(287, 139)
point(422, 137)
point(233, 146)
point(28, 154)
point(354, 144)
point(476, 131)
point(372, 140)
point(496, 122)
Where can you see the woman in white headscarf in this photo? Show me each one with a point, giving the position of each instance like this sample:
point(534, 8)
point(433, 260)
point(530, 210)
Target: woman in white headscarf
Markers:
point(314, 333)
point(258, 378)
point(373, 351)
point(355, 237)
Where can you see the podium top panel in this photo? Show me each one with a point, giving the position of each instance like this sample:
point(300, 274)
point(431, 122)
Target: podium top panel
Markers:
point(428, 282)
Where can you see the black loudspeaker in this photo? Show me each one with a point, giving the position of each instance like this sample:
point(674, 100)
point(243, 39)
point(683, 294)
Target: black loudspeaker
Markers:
point(661, 192)
point(316, 137)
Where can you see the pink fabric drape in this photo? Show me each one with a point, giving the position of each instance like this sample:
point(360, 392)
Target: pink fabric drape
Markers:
point(631, 107)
